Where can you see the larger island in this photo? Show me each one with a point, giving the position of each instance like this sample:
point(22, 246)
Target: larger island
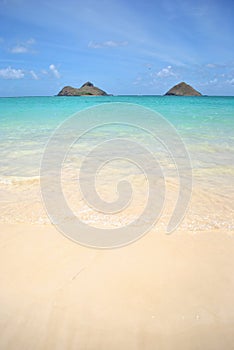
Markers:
point(87, 89)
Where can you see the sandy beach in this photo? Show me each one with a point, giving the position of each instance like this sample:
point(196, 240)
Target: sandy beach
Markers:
point(116, 175)
point(162, 292)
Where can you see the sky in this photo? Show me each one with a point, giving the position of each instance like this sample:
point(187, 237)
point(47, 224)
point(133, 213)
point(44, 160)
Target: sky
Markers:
point(122, 46)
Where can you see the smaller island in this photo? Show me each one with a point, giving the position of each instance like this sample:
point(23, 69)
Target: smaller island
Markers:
point(183, 89)
point(87, 89)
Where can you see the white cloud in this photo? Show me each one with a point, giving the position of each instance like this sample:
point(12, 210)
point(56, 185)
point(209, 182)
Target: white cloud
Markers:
point(33, 74)
point(25, 47)
point(231, 81)
point(109, 43)
point(138, 80)
point(213, 81)
point(211, 65)
point(19, 49)
point(30, 41)
point(166, 72)
point(55, 71)
point(11, 73)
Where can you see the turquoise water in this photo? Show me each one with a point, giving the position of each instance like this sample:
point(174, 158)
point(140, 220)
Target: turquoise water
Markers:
point(205, 124)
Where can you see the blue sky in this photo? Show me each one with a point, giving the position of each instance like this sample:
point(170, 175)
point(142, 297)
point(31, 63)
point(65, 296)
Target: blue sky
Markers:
point(124, 47)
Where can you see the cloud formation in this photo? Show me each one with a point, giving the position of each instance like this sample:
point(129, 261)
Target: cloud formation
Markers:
point(106, 44)
point(11, 73)
point(25, 47)
point(231, 81)
point(166, 72)
point(19, 49)
point(54, 71)
point(34, 75)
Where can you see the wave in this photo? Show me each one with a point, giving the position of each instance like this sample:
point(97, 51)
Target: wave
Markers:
point(16, 180)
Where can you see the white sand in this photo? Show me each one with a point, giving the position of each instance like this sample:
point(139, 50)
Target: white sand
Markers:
point(162, 292)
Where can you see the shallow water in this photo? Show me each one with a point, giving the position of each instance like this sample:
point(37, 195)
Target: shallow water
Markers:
point(205, 124)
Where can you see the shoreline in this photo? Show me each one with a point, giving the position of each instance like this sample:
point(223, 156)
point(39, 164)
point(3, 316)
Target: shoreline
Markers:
point(162, 291)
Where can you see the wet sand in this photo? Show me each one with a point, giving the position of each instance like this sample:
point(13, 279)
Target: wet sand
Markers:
point(161, 292)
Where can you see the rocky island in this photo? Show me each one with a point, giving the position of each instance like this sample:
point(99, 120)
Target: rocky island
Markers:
point(183, 89)
point(87, 89)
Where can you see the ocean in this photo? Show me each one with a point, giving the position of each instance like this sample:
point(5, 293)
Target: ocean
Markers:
point(205, 125)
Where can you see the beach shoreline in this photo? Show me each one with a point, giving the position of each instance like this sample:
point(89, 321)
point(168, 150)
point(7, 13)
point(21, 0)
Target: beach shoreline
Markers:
point(162, 291)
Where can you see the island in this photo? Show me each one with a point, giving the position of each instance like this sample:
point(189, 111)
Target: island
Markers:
point(183, 89)
point(87, 89)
